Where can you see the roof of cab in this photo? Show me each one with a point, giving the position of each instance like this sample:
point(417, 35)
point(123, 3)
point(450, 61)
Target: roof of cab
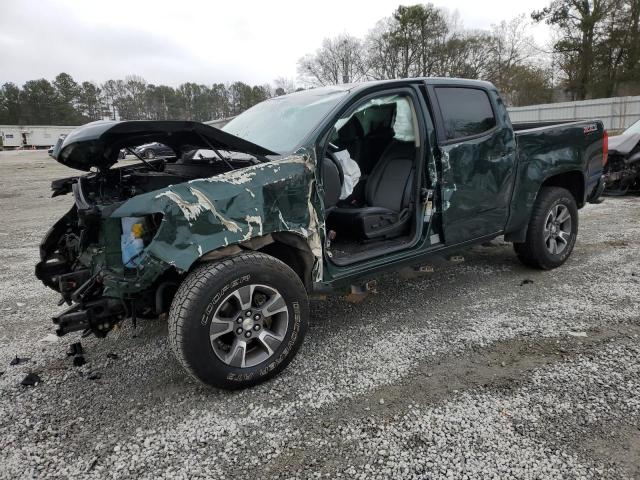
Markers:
point(373, 84)
point(403, 81)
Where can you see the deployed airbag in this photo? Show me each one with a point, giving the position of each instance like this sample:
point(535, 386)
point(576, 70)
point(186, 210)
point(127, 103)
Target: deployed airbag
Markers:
point(351, 172)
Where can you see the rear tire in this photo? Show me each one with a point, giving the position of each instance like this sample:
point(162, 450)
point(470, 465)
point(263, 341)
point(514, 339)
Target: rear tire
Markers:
point(552, 231)
point(239, 321)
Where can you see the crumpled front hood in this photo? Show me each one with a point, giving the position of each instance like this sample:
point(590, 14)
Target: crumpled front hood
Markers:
point(97, 144)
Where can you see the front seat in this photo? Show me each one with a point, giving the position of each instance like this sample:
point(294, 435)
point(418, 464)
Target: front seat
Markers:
point(388, 198)
point(379, 136)
point(350, 138)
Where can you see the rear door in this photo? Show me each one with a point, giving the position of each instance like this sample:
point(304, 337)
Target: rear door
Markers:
point(476, 146)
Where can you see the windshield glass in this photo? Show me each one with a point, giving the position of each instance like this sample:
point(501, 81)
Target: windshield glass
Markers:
point(280, 123)
point(635, 128)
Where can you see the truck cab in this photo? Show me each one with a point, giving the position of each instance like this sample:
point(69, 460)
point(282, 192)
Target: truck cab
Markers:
point(437, 161)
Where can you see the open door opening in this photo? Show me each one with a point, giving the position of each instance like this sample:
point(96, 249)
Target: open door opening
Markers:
point(372, 179)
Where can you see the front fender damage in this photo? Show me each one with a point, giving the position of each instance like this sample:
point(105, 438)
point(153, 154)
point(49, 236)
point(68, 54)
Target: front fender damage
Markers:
point(204, 215)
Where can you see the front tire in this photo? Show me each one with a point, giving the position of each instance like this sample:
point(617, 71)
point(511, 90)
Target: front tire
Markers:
point(238, 322)
point(552, 232)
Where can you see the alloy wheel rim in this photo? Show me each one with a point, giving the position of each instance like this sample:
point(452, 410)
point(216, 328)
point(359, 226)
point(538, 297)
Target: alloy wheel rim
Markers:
point(557, 229)
point(249, 325)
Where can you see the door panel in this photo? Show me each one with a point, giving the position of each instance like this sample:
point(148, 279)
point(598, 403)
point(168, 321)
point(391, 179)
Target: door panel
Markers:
point(477, 170)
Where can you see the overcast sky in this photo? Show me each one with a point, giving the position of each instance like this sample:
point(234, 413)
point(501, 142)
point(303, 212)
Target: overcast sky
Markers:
point(202, 41)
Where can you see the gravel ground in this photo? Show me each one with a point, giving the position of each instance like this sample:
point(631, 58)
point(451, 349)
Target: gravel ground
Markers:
point(467, 372)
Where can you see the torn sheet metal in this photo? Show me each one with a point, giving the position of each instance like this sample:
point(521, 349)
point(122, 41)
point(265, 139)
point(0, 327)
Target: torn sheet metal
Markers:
point(204, 215)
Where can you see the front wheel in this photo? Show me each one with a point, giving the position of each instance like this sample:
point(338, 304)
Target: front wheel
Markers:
point(552, 232)
point(238, 322)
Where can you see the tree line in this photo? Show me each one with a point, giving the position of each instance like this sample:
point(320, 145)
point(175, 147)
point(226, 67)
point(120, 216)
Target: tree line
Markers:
point(597, 49)
point(64, 101)
point(595, 52)
point(427, 41)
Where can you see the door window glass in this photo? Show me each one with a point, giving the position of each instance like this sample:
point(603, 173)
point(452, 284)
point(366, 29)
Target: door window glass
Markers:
point(465, 111)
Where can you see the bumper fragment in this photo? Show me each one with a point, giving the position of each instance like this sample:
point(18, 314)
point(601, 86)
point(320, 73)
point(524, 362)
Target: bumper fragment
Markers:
point(99, 316)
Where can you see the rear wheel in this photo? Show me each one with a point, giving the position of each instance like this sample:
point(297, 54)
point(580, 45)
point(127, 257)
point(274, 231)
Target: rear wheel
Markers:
point(149, 154)
point(552, 232)
point(238, 322)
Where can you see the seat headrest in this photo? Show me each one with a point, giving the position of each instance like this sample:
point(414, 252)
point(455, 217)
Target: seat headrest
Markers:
point(350, 131)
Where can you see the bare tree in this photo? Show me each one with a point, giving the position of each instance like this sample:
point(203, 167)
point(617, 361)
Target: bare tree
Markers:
point(284, 85)
point(339, 60)
point(580, 24)
point(382, 55)
point(416, 41)
point(509, 46)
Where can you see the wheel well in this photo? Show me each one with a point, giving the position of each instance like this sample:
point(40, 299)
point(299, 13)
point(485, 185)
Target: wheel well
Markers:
point(293, 257)
point(287, 247)
point(572, 181)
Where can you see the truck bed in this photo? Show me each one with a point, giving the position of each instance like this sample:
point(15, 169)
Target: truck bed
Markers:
point(577, 142)
point(546, 149)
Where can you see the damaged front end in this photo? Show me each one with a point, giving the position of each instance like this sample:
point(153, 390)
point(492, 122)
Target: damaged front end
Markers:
point(72, 255)
point(134, 232)
point(622, 172)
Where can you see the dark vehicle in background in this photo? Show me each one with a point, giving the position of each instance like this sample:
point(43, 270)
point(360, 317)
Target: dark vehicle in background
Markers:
point(312, 193)
point(622, 172)
point(153, 150)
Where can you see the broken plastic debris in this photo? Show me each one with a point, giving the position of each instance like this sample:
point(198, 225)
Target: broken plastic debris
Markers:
point(78, 361)
point(31, 380)
point(92, 464)
point(17, 361)
point(50, 338)
point(74, 349)
point(578, 334)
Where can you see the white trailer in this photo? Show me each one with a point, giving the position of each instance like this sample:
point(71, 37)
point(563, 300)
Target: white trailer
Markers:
point(32, 136)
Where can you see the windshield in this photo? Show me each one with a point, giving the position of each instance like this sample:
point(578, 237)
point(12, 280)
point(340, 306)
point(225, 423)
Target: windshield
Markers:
point(635, 128)
point(281, 123)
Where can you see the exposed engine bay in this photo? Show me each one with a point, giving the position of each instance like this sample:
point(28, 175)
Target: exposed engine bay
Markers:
point(119, 184)
point(82, 245)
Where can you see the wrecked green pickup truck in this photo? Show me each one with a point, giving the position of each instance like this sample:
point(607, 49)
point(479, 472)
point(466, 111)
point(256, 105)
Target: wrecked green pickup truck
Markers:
point(305, 194)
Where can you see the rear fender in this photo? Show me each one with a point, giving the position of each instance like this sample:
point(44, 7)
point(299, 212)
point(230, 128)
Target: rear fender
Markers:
point(572, 180)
